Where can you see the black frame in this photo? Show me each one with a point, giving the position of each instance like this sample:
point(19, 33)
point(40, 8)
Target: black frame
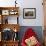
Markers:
point(33, 17)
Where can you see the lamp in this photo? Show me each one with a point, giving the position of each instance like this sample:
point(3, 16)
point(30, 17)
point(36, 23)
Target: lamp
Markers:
point(15, 3)
point(15, 30)
point(15, 34)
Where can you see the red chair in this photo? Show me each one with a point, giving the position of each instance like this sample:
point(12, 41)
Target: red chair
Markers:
point(29, 33)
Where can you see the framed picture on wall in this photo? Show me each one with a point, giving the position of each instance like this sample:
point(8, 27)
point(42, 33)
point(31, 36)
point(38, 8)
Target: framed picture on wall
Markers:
point(29, 13)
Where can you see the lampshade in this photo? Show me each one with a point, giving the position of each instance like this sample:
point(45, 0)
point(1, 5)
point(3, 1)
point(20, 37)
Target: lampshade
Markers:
point(15, 30)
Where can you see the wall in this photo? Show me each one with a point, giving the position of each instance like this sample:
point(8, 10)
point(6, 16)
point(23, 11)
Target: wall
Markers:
point(27, 4)
point(39, 13)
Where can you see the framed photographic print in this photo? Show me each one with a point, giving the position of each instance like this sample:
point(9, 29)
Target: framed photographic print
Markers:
point(13, 12)
point(29, 13)
point(5, 12)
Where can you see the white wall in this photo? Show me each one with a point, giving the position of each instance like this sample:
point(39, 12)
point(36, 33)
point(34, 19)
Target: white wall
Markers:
point(27, 4)
point(39, 13)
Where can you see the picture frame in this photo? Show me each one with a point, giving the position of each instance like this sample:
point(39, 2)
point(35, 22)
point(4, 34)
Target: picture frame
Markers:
point(5, 12)
point(13, 12)
point(29, 13)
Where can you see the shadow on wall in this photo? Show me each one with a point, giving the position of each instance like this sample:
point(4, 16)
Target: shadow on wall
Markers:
point(37, 29)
